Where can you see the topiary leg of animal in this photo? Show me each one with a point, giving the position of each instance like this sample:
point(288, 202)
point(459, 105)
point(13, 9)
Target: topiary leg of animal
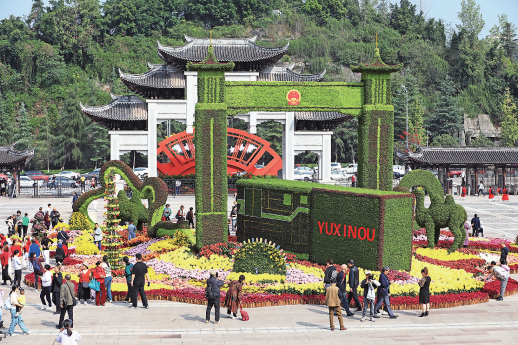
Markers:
point(456, 226)
point(437, 235)
point(429, 226)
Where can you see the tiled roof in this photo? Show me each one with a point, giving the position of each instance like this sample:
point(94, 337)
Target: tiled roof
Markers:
point(121, 108)
point(8, 155)
point(287, 74)
point(320, 116)
point(466, 155)
point(225, 50)
point(158, 76)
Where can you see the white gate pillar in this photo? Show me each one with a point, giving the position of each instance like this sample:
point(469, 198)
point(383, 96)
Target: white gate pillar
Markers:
point(324, 167)
point(114, 145)
point(152, 141)
point(288, 154)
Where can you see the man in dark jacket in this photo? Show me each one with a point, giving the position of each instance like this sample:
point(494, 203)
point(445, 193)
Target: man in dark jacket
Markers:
point(55, 288)
point(383, 294)
point(63, 236)
point(354, 281)
point(54, 217)
point(341, 282)
point(475, 225)
point(504, 251)
point(215, 284)
point(127, 274)
point(329, 271)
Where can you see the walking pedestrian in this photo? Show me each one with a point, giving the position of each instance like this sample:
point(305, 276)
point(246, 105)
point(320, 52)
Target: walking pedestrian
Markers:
point(341, 282)
point(108, 278)
point(491, 194)
point(481, 189)
point(55, 288)
point(45, 242)
point(17, 266)
point(139, 276)
point(127, 275)
point(63, 236)
point(84, 289)
point(463, 193)
point(424, 292)
point(501, 275)
point(504, 251)
point(180, 215)
point(369, 286)
point(16, 319)
point(467, 228)
point(82, 183)
point(330, 268)
point(74, 199)
point(54, 217)
point(46, 282)
point(475, 225)
point(131, 231)
point(99, 275)
point(384, 295)
point(213, 299)
point(505, 194)
point(46, 220)
point(37, 265)
point(233, 216)
point(98, 236)
point(234, 296)
point(190, 218)
point(25, 226)
point(4, 260)
point(167, 212)
point(354, 281)
point(66, 297)
point(67, 335)
point(333, 303)
point(60, 254)
point(178, 185)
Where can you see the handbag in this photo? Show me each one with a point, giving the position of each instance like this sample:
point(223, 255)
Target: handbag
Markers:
point(94, 285)
point(244, 315)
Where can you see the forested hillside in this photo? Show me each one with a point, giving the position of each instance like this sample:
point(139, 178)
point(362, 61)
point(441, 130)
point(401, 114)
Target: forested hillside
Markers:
point(70, 51)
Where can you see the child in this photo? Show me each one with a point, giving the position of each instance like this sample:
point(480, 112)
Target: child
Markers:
point(21, 301)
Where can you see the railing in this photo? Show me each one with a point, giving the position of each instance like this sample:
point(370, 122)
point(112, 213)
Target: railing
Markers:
point(57, 190)
point(188, 186)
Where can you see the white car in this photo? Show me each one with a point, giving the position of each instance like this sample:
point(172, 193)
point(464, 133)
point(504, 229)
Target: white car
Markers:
point(338, 175)
point(140, 171)
point(300, 176)
point(69, 174)
point(351, 169)
point(27, 182)
point(305, 170)
point(336, 166)
point(400, 169)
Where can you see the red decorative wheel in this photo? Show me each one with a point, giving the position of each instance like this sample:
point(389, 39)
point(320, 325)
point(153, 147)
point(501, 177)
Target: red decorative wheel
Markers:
point(245, 152)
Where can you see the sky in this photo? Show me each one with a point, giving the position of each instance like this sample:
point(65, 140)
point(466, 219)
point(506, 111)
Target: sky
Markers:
point(439, 9)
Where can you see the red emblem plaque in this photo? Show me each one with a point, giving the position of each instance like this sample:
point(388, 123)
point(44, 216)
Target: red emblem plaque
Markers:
point(293, 97)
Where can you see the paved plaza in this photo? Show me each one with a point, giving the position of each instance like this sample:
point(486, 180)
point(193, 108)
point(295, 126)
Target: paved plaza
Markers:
point(179, 323)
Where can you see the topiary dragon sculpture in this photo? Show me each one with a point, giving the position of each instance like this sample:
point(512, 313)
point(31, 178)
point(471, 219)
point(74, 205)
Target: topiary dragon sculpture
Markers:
point(443, 212)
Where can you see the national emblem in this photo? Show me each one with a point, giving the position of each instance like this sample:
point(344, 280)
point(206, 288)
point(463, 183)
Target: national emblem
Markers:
point(293, 97)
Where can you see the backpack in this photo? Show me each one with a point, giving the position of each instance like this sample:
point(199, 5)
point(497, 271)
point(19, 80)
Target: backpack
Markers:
point(36, 265)
point(209, 293)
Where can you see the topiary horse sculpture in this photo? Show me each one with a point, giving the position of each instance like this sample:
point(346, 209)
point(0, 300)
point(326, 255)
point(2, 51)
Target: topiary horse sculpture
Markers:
point(443, 212)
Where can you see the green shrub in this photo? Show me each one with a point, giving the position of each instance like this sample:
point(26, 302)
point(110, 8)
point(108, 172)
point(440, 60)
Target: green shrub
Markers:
point(259, 257)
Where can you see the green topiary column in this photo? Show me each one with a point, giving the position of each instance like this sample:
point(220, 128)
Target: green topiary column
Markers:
point(211, 151)
point(376, 125)
point(111, 239)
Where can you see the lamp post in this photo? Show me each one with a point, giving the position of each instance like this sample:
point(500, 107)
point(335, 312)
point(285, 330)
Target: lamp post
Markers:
point(406, 91)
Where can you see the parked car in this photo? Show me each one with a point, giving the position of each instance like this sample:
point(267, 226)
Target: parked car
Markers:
point(301, 176)
point(305, 170)
point(36, 175)
point(140, 171)
point(400, 169)
point(69, 174)
point(29, 172)
point(396, 174)
point(27, 182)
point(64, 181)
point(351, 169)
point(337, 175)
point(336, 166)
point(455, 173)
point(94, 173)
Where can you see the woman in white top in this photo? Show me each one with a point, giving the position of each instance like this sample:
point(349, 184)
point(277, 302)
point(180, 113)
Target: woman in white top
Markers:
point(67, 335)
point(108, 278)
point(46, 282)
point(17, 266)
point(16, 320)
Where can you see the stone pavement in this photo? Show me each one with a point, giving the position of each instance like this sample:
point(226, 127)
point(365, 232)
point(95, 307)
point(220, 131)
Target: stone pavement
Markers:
point(178, 323)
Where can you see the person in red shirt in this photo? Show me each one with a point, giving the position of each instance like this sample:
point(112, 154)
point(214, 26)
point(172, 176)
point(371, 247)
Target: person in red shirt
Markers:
point(463, 195)
point(4, 260)
point(65, 248)
point(16, 246)
point(99, 275)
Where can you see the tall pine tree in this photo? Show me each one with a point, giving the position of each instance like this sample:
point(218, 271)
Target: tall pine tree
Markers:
point(509, 132)
point(23, 135)
point(448, 118)
point(6, 121)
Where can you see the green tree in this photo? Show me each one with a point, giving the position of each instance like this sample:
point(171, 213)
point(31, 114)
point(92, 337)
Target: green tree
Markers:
point(45, 141)
point(505, 32)
point(445, 140)
point(36, 14)
point(448, 118)
point(98, 144)
point(23, 133)
point(482, 141)
point(470, 17)
point(509, 132)
point(6, 119)
point(211, 12)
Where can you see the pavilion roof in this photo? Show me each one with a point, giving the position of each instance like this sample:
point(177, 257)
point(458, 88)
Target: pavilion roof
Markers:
point(243, 52)
point(465, 155)
point(121, 108)
point(158, 76)
point(282, 73)
point(10, 156)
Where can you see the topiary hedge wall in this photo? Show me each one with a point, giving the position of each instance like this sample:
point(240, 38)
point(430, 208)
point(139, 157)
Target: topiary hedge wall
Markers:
point(310, 218)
